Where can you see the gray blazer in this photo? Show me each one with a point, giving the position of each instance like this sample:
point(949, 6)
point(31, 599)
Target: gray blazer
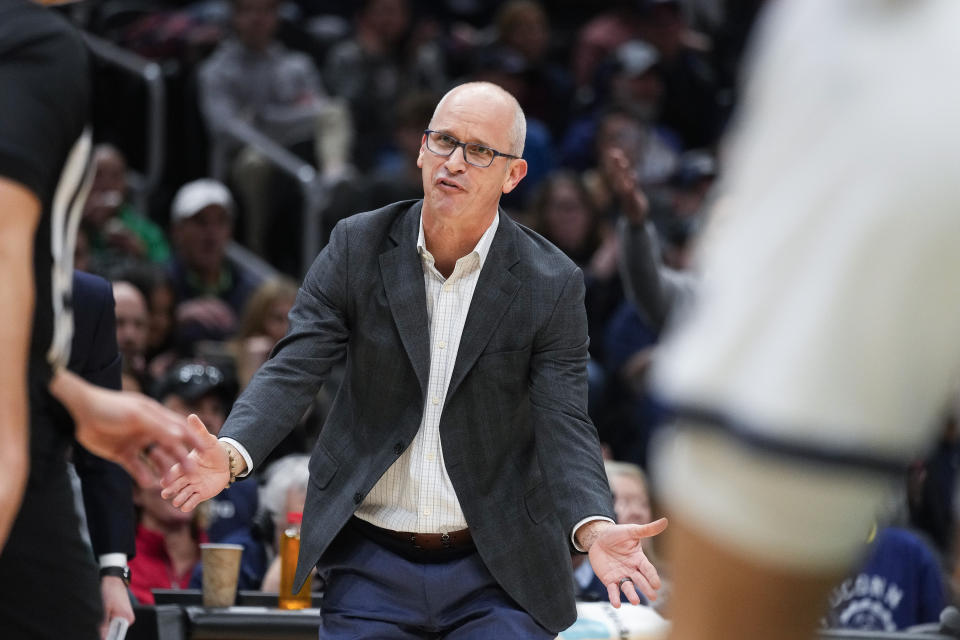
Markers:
point(520, 450)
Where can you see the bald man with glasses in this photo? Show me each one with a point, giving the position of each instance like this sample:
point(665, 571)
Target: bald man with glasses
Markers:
point(458, 469)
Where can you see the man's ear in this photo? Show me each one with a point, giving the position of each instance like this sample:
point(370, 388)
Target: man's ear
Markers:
point(423, 147)
point(518, 169)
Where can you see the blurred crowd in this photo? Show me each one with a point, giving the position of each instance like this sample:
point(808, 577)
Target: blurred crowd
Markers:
point(349, 88)
point(626, 102)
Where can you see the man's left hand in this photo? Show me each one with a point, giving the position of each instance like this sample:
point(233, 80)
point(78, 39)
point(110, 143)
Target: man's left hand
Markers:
point(616, 554)
point(116, 602)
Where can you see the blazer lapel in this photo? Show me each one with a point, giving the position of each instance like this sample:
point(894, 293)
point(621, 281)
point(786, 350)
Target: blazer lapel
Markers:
point(402, 275)
point(496, 288)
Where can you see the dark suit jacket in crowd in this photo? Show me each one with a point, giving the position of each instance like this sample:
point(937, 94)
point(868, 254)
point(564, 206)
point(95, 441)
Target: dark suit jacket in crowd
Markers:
point(519, 448)
point(94, 356)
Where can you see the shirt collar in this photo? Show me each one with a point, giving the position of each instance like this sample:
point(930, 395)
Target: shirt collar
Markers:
point(483, 245)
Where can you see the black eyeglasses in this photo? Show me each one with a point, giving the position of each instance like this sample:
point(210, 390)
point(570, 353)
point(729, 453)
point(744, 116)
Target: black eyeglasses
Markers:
point(478, 155)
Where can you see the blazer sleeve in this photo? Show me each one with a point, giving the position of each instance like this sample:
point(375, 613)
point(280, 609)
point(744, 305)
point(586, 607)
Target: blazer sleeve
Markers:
point(106, 487)
point(285, 385)
point(566, 439)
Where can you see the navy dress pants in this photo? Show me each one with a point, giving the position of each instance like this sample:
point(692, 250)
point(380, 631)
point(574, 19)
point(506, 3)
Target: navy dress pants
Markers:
point(372, 592)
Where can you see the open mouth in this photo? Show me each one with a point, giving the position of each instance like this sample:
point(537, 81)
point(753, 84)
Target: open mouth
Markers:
point(449, 184)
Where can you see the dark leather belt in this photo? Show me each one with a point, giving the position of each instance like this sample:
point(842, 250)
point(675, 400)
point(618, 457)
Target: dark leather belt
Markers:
point(419, 547)
point(433, 541)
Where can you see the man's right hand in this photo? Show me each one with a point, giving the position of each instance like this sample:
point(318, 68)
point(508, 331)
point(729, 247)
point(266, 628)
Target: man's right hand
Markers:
point(185, 489)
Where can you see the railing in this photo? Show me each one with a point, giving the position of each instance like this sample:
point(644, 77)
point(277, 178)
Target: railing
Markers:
point(141, 184)
point(313, 190)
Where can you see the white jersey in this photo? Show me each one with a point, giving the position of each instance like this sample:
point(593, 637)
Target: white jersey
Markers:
point(827, 324)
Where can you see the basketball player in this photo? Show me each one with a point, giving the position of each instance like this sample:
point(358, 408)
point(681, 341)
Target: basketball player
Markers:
point(822, 345)
point(48, 581)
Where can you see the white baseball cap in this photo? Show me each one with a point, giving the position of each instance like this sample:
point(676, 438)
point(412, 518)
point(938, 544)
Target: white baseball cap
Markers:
point(194, 196)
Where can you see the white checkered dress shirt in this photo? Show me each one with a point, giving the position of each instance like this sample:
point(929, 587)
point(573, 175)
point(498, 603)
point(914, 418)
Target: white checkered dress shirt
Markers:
point(415, 494)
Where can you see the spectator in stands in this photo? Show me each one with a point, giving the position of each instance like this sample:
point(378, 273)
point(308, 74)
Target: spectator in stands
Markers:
point(132, 332)
point(168, 546)
point(595, 41)
point(693, 181)
point(252, 80)
point(396, 176)
point(506, 68)
point(900, 584)
point(115, 231)
point(654, 288)
point(210, 290)
point(691, 104)
point(284, 491)
point(194, 386)
point(152, 281)
point(162, 326)
point(372, 68)
point(677, 208)
point(628, 116)
point(629, 345)
point(263, 323)
point(523, 28)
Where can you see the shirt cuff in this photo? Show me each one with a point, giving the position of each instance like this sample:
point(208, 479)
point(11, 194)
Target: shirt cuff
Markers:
point(112, 560)
point(243, 452)
point(576, 527)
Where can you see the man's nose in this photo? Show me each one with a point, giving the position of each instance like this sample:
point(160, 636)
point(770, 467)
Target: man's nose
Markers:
point(457, 161)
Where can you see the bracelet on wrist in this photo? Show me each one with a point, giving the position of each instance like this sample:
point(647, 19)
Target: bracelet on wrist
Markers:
point(231, 463)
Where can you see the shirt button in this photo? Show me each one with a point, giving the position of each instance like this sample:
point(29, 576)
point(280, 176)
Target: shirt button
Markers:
point(435, 400)
point(357, 498)
point(447, 287)
point(431, 457)
point(398, 448)
point(426, 512)
point(442, 345)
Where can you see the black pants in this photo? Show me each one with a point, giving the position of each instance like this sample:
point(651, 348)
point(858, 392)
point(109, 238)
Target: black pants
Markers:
point(49, 584)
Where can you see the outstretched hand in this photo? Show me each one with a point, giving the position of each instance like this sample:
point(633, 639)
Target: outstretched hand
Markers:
point(126, 427)
point(617, 554)
point(205, 475)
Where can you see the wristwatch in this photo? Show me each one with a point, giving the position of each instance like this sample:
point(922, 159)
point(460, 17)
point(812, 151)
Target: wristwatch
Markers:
point(117, 572)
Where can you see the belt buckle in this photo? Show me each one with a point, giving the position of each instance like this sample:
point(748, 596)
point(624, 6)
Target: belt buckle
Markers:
point(445, 540)
point(413, 541)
